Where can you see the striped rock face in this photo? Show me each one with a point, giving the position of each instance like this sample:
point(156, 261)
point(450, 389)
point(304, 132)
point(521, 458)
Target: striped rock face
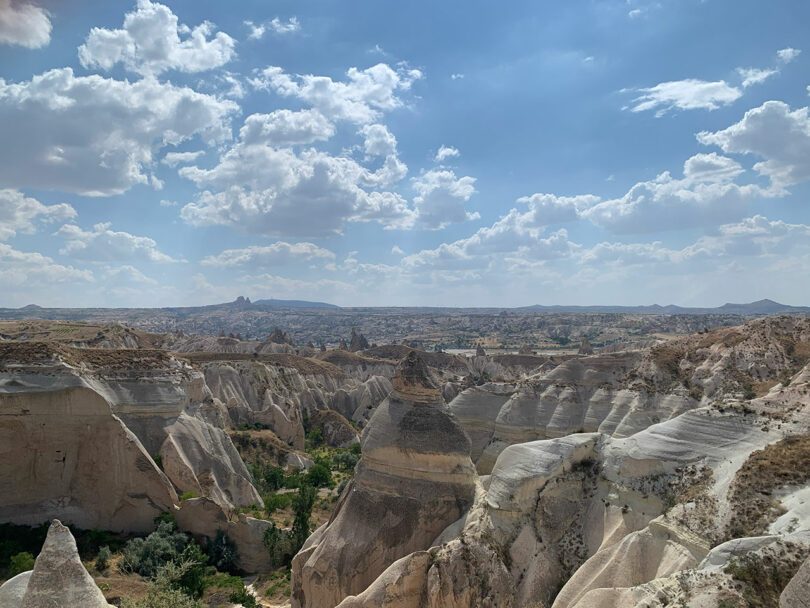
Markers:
point(415, 478)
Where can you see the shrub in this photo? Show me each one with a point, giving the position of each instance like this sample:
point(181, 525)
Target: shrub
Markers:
point(355, 448)
point(273, 502)
point(222, 553)
point(22, 562)
point(145, 556)
point(315, 437)
point(318, 476)
point(103, 558)
point(242, 596)
point(163, 591)
point(188, 495)
point(274, 477)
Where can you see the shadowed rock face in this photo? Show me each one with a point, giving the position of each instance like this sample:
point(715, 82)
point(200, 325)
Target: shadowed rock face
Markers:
point(415, 478)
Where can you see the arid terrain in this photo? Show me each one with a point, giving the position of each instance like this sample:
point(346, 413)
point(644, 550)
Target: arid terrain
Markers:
point(558, 460)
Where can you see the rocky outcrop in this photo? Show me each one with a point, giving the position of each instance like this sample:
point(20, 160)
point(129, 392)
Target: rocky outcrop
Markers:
point(279, 337)
point(414, 479)
point(585, 347)
point(59, 578)
point(797, 592)
point(337, 432)
point(163, 404)
point(203, 518)
point(13, 590)
point(60, 448)
point(357, 341)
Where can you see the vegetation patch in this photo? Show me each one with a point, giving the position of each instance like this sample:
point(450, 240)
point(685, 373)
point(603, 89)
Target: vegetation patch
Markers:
point(784, 463)
point(765, 574)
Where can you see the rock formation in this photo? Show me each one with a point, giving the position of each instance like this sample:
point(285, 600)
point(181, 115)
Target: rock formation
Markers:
point(58, 579)
point(585, 347)
point(479, 351)
point(336, 430)
point(525, 350)
point(414, 479)
point(357, 342)
point(279, 337)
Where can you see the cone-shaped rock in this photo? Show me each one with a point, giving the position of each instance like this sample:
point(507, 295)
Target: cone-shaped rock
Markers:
point(59, 579)
point(414, 479)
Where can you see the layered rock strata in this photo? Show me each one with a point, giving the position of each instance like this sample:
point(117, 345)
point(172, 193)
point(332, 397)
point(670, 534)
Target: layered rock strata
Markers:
point(414, 479)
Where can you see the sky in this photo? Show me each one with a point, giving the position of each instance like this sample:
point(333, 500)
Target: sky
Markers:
point(373, 153)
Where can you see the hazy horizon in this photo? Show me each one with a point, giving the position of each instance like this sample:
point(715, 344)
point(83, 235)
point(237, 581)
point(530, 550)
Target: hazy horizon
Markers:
point(611, 153)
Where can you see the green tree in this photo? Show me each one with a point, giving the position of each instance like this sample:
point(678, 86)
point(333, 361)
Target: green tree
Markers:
point(21, 562)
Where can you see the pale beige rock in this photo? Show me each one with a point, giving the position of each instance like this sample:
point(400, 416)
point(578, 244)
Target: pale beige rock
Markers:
point(59, 578)
point(63, 453)
point(13, 590)
point(414, 479)
point(797, 592)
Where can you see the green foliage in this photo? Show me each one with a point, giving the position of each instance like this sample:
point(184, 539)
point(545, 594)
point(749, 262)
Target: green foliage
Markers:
point(241, 596)
point(273, 478)
point(318, 476)
point(282, 545)
point(222, 553)
point(346, 461)
point(315, 437)
point(188, 495)
point(16, 539)
point(164, 591)
point(274, 502)
point(158, 461)
point(103, 558)
point(222, 580)
point(145, 556)
point(21, 562)
point(355, 448)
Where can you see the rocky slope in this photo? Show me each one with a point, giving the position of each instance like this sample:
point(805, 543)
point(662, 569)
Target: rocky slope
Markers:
point(707, 507)
point(414, 479)
point(120, 408)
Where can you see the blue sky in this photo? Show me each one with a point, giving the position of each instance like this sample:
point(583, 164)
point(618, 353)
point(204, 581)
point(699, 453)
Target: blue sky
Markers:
point(380, 153)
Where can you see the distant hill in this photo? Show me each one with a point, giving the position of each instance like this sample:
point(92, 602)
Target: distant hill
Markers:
point(760, 307)
point(293, 304)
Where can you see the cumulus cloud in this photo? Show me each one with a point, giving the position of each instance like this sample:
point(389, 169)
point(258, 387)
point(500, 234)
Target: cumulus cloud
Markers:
point(787, 55)
point(172, 159)
point(753, 236)
point(397, 250)
point(360, 99)
point(285, 128)
point(257, 31)
point(34, 269)
point(277, 254)
point(711, 168)
point(446, 152)
point(104, 245)
point(18, 213)
point(773, 132)
point(441, 198)
point(752, 76)
point(689, 94)
point(24, 24)
point(378, 140)
point(546, 209)
point(153, 41)
point(95, 136)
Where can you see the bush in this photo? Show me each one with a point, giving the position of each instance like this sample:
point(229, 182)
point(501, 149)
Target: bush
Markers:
point(282, 545)
point(242, 596)
point(103, 558)
point(355, 448)
point(163, 591)
point(346, 460)
point(222, 553)
point(273, 478)
point(273, 502)
point(318, 476)
point(145, 556)
point(22, 562)
point(188, 495)
point(315, 437)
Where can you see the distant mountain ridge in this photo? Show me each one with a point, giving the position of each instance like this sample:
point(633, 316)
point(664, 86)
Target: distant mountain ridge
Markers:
point(760, 307)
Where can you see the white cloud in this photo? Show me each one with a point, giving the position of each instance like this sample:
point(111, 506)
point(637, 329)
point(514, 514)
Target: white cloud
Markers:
point(95, 136)
point(635, 13)
point(285, 288)
point(18, 213)
point(24, 24)
point(172, 159)
point(774, 133)
point(689, 94)
point(167, 203)
point(441, 198)
point(446, 152)
point(753, 236)
point(150, 43)
point(787, 55)
point(751, 76)
point(277, 254)
point(126, 275)
point(285, 27)
point(711, 168)
point(546, 209)
point(397, 250)
point(286, 128)
point(360, 99)
point(704, 197)
point(257, 31)
point(19, 268)
point(456, 76)
point(378, 140)
point(104, 245)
